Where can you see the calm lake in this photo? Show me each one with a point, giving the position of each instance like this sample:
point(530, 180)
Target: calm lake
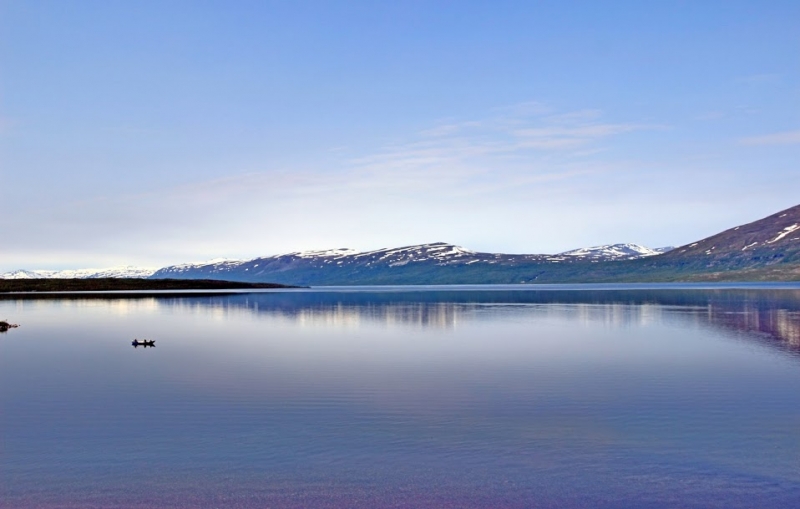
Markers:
point(490, 397)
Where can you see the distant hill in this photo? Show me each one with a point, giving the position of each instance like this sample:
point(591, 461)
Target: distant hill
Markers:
point(111, 272)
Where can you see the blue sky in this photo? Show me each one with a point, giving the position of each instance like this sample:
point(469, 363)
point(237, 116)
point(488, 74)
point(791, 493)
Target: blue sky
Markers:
point(149, 133)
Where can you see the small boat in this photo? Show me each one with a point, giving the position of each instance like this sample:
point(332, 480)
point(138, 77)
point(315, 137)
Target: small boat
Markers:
point(144, 342)
point(4, 326)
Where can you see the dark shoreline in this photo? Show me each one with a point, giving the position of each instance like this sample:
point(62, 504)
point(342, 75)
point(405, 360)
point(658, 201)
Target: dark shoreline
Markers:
point(17, 286)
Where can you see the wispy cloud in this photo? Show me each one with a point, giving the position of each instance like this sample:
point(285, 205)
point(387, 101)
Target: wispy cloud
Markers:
point(526, 144)
point(781, 138)
point(554, 137)
point(710, 115)
point(524, 109)
point(572, 117)
point(760, 78)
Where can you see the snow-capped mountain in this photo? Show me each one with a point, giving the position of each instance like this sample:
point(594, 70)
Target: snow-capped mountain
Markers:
point(114, 272)
point(331, 258)
point(615, 252)
point(215, 266)
point(439, 253)
point(346, 266)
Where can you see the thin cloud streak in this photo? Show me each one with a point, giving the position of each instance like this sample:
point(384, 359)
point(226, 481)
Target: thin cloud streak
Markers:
point(782, 138)
point(527, 133)
point(761, 78)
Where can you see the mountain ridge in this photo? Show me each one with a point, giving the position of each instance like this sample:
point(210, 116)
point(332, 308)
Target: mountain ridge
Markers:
point(345, 266)
point(439, 250)
point(764, 250)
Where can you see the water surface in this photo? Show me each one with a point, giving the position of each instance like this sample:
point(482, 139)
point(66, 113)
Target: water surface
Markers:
point(424, 397)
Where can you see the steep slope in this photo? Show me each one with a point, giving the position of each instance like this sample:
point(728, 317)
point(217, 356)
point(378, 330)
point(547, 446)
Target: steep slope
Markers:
point(769, 241)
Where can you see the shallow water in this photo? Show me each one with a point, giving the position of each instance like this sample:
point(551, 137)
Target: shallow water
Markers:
point(423, 397)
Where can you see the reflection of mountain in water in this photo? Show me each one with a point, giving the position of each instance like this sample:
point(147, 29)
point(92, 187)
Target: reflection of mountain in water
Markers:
point(441, 315)
point(779, 324)
point(772, 315)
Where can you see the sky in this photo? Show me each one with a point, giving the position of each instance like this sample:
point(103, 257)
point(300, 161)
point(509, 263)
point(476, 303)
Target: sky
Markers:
point(158, 132)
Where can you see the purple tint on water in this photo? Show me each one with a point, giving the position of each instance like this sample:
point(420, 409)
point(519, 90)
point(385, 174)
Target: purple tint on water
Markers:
point(424, 399)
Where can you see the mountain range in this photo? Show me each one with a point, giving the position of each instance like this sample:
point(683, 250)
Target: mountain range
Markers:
point(437, 263)
point(439, 252)
point(767, 249)
point(112, 272)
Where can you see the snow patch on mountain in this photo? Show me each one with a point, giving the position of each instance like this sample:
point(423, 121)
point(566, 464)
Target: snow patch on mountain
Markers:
point(328, 253)
point(212, 266)
point(786, 231)
point(438, 251)
point(615, 252)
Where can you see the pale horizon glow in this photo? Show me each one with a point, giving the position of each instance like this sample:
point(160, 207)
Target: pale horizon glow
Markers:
point(150, 135)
